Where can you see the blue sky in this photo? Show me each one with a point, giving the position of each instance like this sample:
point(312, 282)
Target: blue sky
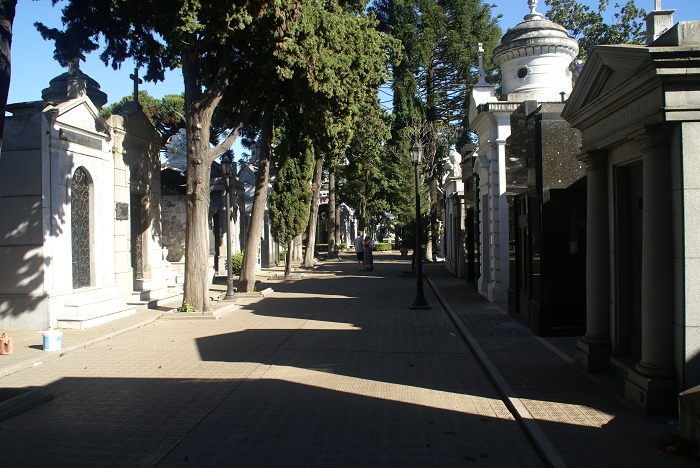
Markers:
point(33, 64)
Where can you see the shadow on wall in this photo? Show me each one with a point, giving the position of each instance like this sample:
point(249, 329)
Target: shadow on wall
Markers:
point(26, 225)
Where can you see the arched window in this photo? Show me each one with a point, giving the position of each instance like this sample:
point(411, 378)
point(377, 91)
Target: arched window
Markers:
point(80, 228)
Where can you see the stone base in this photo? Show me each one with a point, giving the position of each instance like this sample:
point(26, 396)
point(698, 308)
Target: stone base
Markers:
point(497, 293)
point(651, 394)
point(689, 414)
point(593, 357)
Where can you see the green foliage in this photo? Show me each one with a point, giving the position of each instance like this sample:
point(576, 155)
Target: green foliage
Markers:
point(166, 114)
point(366, 171)
point(186, 307)
point(291, 193)
point(237, 262)
point(589, 28)
point(237, 58)
point(382, 246)
point(431, 82)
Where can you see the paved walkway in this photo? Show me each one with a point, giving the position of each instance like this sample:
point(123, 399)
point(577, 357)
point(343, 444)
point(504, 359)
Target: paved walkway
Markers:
point(332, 369)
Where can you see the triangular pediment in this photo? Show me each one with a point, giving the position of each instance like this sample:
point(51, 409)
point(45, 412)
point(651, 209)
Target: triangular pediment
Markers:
point(607, 69)
point(80, 113)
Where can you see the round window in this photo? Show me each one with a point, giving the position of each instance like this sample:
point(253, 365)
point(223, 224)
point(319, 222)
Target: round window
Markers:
point(521, 72)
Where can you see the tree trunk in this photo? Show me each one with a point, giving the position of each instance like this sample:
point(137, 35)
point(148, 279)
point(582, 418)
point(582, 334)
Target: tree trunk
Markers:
point(288, 259)
point(246, 282)
point(7, 18)
point(313, 216)
point(337, 224)
point(331, 213)
point(297, 245)
point(197, 280)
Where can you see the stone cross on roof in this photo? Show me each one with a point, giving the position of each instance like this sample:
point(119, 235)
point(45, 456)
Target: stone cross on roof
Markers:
point(657, 4)
point(137, 81)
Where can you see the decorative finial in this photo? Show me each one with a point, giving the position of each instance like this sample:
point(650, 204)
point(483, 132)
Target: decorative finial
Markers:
point(533, 15)
point(657, 5)
point(482, 73)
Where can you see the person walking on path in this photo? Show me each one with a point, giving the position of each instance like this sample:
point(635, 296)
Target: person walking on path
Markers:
point(360, 251)
point(368, 245)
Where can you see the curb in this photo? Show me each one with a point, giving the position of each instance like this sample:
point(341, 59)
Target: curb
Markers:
point(544, 447)
point(214, 314)
point(22, 403)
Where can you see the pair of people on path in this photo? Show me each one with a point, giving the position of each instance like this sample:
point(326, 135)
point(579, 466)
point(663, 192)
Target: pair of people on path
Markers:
point(363, 250)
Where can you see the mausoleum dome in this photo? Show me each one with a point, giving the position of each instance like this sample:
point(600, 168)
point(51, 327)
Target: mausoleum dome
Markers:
point(57, 91)
point(534, 59)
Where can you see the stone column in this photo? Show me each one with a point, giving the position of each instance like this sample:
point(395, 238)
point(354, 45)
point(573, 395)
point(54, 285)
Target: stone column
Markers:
point(593, 349)
point(652, 384)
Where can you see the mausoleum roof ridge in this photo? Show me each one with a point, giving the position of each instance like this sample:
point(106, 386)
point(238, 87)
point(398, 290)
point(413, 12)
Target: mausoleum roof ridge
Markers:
point(57, 92)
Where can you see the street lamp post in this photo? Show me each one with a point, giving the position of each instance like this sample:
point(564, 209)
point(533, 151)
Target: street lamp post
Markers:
point(227, 170)
point(416, 152)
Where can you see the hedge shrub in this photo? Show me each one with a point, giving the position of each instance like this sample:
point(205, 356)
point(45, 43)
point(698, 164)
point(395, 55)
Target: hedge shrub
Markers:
point(237, 263)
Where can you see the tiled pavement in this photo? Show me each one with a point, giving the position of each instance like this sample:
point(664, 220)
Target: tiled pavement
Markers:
point(332, 369)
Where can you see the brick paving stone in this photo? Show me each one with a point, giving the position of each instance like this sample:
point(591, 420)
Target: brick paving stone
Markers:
point(584, 422)
point(331, 369)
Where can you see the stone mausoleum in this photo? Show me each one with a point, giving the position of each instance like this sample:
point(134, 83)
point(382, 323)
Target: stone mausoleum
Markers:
point(638, 110)
point(80, 197)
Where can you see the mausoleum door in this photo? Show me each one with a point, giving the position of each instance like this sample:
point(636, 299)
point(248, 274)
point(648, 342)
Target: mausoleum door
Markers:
point(628, 282)
point(80, 228)
point(139, 222)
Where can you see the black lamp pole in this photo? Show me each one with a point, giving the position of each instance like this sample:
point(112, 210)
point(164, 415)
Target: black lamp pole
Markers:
point(416, 152)
point(227, 169)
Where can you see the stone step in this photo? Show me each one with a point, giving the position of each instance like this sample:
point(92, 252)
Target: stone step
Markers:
point(90, 307)
point(152, 303)
point(148, 294)
point(142, 284)
point(96, 318)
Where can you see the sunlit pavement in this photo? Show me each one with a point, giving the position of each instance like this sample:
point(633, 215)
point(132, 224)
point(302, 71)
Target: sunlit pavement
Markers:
point(332, 369)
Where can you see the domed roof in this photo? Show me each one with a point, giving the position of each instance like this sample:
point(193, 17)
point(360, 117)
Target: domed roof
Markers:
point(57, 91)
point(533, 36)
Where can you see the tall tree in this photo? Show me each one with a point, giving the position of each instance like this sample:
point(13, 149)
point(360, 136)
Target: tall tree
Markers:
point(432, 82)
point(222, 53)
point(365, 174)
point(589, 28)
point(245, 54)
point(291, 192)
point(308, 261)
point(7, 18)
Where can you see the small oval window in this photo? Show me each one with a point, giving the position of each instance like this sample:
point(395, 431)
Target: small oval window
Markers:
point(521, 72)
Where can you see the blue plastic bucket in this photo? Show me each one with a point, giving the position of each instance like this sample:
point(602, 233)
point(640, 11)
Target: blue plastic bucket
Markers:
point(52, 340)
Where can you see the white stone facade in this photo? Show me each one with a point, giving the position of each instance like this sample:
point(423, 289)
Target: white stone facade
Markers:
point(534, 58)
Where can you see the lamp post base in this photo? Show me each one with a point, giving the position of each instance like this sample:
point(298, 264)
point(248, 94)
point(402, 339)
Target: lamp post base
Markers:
point(229, 297)
point(420, 304)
